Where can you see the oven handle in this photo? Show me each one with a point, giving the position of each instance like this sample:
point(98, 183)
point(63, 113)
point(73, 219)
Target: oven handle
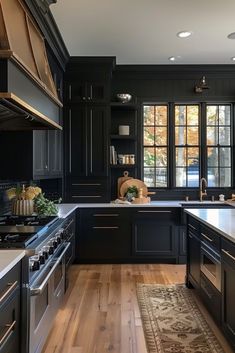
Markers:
point(211, 254)
point(38, 290)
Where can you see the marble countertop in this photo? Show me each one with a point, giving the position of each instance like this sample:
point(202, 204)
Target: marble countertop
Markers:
point(65, 209)
point(221, 220)
point(8, 259)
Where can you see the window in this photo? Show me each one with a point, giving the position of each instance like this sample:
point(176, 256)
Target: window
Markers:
point(218, 144)
point(155, 139)
point(187, 145)
point(193, 141)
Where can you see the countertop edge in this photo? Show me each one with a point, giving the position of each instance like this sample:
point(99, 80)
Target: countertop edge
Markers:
point(11, 262)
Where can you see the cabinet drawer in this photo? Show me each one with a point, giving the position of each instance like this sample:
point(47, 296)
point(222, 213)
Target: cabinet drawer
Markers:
point(193, 226)
point(161, 215)
point(9, 283)
point(228, 252)
point(210, 237)
point(9, 325)
point(211, 298)
point(103, 218)
point(87, 191)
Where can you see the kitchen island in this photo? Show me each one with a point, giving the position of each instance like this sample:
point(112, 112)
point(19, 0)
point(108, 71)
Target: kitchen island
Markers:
point(211, 263)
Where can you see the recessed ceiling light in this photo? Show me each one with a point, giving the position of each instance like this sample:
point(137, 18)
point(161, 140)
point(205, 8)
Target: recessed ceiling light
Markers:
point(231, 35)
point(233, 58)
point(172, 58)
point(184, 34)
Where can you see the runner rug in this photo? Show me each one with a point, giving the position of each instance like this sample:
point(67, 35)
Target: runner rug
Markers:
point(172, 321)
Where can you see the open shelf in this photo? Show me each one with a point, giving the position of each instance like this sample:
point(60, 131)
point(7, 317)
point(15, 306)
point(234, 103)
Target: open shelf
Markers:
point(123, 137)
point(129, 106)
point(121, 166)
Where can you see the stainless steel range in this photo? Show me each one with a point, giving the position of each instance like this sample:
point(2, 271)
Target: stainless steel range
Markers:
point(47, 244)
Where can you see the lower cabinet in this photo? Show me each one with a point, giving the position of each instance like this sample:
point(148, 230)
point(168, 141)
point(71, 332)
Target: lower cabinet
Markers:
point(228, 290)
point(10, 311)
point(155, 235)
point(194, 246)
point(127, 235)
point(182, 244)
point(104, 236)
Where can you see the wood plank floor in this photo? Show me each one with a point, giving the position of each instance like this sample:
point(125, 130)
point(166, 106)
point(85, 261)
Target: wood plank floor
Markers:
point(100, 312)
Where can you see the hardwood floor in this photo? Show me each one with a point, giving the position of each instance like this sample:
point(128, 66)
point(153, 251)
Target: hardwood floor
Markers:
point(100, 312)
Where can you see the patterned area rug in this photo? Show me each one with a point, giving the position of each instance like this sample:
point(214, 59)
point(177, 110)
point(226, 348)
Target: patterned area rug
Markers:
point(172, 321)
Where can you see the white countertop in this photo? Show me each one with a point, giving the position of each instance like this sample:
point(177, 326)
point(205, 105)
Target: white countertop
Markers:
point(8, 259)
point(221, 220)
point(65, 209)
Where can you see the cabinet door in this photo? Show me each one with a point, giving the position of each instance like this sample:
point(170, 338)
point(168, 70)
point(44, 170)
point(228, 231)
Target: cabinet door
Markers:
point(76, 164)
point(97, 133)
point(228, 295)
point(193, 262)
point(55, 152)
point(96, 91)
point(76, 91)
point(182, 245)
point(40, 153)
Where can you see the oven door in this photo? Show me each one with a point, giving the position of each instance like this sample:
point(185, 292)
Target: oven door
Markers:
point(211, 265)
point(45, 297)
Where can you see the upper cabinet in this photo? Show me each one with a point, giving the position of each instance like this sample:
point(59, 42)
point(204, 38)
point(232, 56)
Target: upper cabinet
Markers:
point(92, 91)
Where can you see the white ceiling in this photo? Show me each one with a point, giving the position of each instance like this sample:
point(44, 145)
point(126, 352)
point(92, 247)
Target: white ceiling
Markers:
point(144, 31)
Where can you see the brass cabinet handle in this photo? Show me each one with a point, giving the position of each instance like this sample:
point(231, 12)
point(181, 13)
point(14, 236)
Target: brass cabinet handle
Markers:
point(105, 227)
point(79, 196)
point(227, 253)
point(206, 237)
point(86, 184)
point(190, 225)
point(10, 287)
point(155, 211)
point(105, 215)
point(9, 329)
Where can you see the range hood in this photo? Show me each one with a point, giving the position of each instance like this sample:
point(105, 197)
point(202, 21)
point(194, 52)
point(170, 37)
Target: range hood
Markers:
point(28, 96)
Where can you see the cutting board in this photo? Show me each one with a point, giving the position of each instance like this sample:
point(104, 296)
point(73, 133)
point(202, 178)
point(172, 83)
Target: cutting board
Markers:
point(121, 180)
point(133, 182)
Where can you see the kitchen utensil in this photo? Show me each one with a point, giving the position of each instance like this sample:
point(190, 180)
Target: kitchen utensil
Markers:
point(121, 180)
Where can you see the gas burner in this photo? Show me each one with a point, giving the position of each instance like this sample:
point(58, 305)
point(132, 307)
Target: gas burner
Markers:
point(12, 237)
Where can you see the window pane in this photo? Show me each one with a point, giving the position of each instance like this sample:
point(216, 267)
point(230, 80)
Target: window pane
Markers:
point(148, 115)
point(224, 136)
point(161, 177)
point(181, 177)
point(213, 177)
point(180, 135)
point(193, 176)
point(161, 135)
point(225, 157)
point(212, 136)
point(192, 136)
point(161, 115)
point(193, 157)
point(180, 156)
point(161, 157)
point(224, 115)
point(212, 156)
point(149, 136)
point(225, 177)
point(149, 177)
point(192, 114)
point(180, 115)
point(212, 114)
point(149, 156)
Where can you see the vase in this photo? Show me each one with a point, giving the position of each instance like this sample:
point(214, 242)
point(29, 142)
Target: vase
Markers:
point(23, 207)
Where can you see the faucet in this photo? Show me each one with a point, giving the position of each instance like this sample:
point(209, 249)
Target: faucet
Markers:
point(202, 193)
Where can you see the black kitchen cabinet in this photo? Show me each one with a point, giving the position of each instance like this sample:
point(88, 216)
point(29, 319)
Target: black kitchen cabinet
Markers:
point(182, 244)
point(87, 141)
point(87, 91)
point(31, 155)
point(155, 235)
point(228, 290)
point(104, 236)
point(10, 311)
point(193, 253)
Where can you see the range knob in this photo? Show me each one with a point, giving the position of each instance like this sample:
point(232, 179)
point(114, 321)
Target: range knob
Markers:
point(45, 253)
point(58, 239)
point(54, 243)
point(51, 250)
point(41, 258)
point(36, 265)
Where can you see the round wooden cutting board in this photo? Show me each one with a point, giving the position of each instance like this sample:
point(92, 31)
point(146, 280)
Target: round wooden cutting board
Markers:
point(133, 182)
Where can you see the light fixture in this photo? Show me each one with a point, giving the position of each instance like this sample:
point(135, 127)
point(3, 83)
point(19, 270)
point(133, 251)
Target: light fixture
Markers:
point(184, 34)
point(231, 35)
point(199, 88)
point(233, 58)
point(172, 58)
